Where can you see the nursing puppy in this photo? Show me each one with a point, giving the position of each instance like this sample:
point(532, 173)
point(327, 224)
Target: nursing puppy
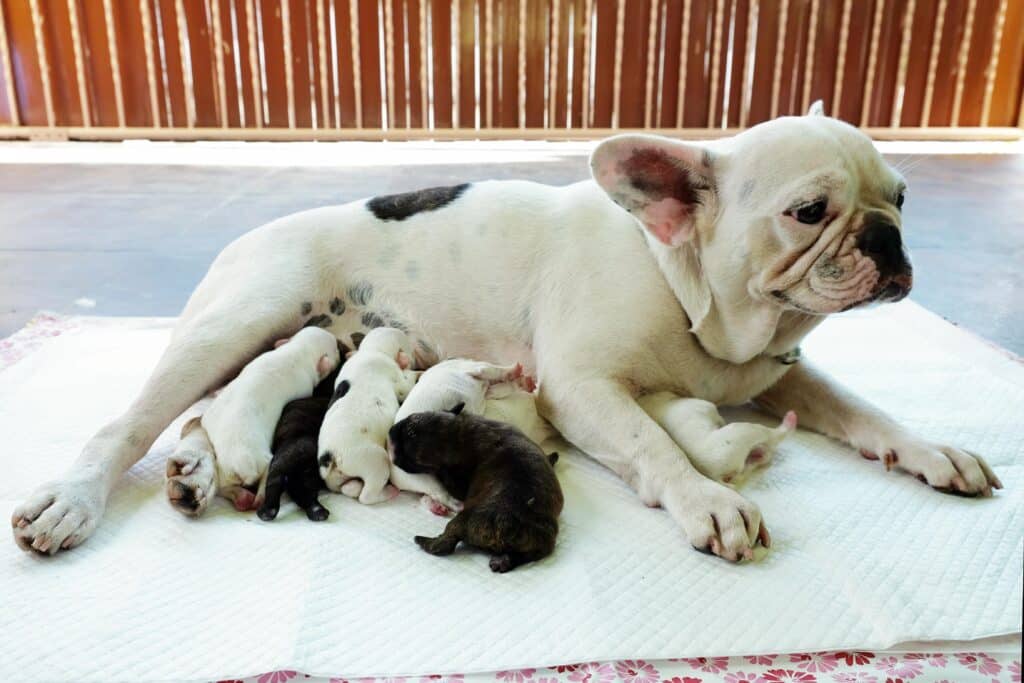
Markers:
point(294, 468)
point(371, 384)
point(720, 451)
point(511, 495)
point(517, 406)
point(241, 420)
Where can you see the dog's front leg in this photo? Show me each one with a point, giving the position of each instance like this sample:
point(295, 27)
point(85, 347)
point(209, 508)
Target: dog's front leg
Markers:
point(826, 407)
point(603, 419)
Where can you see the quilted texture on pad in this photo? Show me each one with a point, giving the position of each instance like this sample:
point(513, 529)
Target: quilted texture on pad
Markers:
point(862, 559)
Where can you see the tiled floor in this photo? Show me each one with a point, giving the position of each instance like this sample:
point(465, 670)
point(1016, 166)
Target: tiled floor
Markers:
point(136, 238)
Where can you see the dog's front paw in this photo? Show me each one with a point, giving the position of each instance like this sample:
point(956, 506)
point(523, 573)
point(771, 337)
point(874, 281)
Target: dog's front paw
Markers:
point(716, 519)
point(440, 506)
point(945, 468)
point(58, 515)
point(191, 481)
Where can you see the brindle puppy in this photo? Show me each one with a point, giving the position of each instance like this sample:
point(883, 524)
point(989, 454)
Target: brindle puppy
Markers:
point(294, 467)
point(511, 494)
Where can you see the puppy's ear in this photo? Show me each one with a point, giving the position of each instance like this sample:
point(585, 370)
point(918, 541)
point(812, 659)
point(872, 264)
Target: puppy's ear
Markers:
point(817, 108)
point(458, 408)
point(661, 182)
point(324, 365)
point(402, 358)
point(281, 342)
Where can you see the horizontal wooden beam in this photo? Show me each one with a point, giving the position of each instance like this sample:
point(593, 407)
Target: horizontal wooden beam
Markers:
point(341, 134)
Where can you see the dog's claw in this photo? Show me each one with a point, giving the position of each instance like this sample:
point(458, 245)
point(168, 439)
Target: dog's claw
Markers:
point(891, 460)
point(764, 536)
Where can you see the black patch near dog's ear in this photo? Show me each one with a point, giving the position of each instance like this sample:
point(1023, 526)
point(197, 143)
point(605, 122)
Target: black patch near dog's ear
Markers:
point(455, 410)
point(357, 338)
point(398, 207)
point(325, 459)
point(552, 458)
point(322, 320)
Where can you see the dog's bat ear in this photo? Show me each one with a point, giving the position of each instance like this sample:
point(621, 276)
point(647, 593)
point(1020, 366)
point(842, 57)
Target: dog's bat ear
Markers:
point(457, 408)
point(817, 108)
point(661, 182)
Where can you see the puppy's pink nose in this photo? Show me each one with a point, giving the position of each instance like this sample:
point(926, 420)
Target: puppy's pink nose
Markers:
point(244, 500)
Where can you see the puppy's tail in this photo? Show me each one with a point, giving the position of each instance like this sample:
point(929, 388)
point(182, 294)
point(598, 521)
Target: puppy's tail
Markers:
point(552, 458)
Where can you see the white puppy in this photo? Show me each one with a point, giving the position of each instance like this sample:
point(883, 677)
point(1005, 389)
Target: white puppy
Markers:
point(720, 451)
point(517, 406)
point(370, 386)
point(241, 420)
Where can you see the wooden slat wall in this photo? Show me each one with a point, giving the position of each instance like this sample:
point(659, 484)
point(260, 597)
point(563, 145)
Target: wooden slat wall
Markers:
point(422, 65)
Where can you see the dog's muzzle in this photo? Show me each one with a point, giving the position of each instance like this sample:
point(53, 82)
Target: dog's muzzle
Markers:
point(882, 243)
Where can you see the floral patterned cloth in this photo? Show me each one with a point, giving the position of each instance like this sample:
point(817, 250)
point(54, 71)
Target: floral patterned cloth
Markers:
point(814, 667)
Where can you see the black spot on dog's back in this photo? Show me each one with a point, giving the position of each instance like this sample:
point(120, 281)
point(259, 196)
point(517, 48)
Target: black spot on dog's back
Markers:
point(398, 207)
point(371, 319)
point(337, 306)
point(341, 389)
point(322, 320)
point(360, 293)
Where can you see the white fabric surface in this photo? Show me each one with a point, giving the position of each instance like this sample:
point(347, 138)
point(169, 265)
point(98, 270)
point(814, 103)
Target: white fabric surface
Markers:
point(862, 558)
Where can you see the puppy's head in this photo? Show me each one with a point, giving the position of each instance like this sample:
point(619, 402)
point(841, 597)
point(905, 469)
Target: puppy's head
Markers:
point(799, 212)
point(423, 442)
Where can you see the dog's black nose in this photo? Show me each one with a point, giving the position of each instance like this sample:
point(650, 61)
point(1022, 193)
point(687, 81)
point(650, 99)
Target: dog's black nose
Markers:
point(882, 242)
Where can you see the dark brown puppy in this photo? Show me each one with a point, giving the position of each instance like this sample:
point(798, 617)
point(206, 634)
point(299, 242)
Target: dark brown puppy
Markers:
point(511, 494)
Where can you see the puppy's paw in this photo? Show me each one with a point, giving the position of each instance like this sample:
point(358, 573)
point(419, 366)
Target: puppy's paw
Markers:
point(317, 513)
point(440, 507)
point(442, 545)
point(716, 519)
point(58, 515)
point(191, 481)
point(501, 564)
point(945, 468)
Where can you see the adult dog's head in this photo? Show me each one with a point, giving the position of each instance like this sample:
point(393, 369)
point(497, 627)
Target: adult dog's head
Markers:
point(799, 214)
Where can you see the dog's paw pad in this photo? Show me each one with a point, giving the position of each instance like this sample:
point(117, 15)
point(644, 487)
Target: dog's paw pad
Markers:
point(190, 482)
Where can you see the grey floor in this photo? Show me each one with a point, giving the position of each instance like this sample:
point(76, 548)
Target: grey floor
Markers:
point(136, 239)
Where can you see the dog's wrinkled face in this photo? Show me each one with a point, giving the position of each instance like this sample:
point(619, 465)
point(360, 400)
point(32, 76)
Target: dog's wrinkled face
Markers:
point(824, 231)
point(800, 213)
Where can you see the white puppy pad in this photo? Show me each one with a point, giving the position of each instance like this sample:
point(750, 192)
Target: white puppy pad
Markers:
point(862, 558)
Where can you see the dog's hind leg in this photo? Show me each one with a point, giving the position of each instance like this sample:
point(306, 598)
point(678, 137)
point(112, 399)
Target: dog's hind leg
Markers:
point(303, 486)
point(243, 316)
point(445, 543)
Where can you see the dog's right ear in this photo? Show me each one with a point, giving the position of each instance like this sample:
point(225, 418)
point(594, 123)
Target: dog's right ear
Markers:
point(457, 408)
point(817, 108)
point(660, 181)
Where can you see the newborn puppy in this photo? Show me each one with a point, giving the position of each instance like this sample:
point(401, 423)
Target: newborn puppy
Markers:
point(294, 468)
point(351, 454)
point(241, 420)
point(720, 451)
point(517, 406)
point(511, 495)
point(442, 387)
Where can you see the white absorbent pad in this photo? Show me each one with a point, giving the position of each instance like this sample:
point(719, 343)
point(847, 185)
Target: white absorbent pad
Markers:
point(861, 558)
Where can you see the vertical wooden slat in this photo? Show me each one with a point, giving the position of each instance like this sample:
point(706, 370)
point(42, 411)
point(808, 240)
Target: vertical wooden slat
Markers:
point(254, 63)
point(417, 74)
point(1009, 81)
point(147, 41)
point(76, 42)
point(131, 50)
point(780, 47)
point(218, 64)
point(44, 63)
point(389, 59)
point(521, 61)
point(535, 41)
point(632, 64)
point(355, 49)
point(620, 22)
point(933, 63)
point(764, 41)
point(980, 51)
point(748, 63)
point(569, 77)
point(464, 25)
point(235, 73)
point(555, 43)
point(56, 30)
point(961, 68)
point(697, 82)
point(588, 63)
point(737, 53)
point(321, 44)
point(793, 54)
point(289, 61)
point(715, 61)
point(441, 47)
point(115, 61)
point(652, 44)
point(844, 36)
point(805, 101)
point(7, 73)
point(186, 70)
point(684, 52)
point(990, 70)
point(869, 81)
point(901, 77)
point(490, 79)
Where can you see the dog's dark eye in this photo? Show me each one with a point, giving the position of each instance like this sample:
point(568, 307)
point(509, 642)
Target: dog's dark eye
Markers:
point(811, 214)
point(899, 201)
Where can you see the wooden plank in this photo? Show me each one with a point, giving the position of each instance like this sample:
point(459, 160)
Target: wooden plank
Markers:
point(441, 41)
point(1008, 87)
point(417, 76)
point(826, 37)
point(604, 64)
point(137, 96)
point(67, 102)
point(169, 51)
point(672, 20)
point(634, 64)
point(509, 100)
point(697, 85)
point(303, 34)
point(855, 66)
point(232, 30)
point(343, 66)
point(917, 65)
point(537, 13)
point(764, 65)
point(978, 56)
point(273, 77)
point(884, 92)
point(466, 101)
point(946, 65)
point(201, 58)
point(97, 63)
point(581, 32)
point(737, 59)
point(8, 93)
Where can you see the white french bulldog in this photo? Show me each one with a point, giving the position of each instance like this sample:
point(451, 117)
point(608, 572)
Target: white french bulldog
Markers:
point(241, 420)
point(682, 267)
point(369, 388)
